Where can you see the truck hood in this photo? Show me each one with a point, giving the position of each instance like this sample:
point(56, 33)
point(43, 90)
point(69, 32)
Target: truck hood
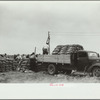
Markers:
point(96, 59)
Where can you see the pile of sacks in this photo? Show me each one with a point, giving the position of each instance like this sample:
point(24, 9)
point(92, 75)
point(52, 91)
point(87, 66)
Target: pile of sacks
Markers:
point(7, 65)
point(23, 65)
point(12, 64)
point(66, 49)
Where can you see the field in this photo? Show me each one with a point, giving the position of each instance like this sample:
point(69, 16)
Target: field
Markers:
point(43, 77)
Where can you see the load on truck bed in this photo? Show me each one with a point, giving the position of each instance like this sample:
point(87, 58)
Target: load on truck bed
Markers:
point(66, 49)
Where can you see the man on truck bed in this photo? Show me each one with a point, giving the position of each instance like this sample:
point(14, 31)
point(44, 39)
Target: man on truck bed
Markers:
point(45, 50)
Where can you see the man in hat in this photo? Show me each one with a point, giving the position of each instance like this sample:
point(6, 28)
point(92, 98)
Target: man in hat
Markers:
point(45, 50)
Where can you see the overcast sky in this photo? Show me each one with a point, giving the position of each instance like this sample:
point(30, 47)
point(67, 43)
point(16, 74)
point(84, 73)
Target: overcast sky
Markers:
point(24, 25)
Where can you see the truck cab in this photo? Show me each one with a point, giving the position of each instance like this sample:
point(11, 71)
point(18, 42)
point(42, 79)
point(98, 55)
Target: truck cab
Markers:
point(82, 60)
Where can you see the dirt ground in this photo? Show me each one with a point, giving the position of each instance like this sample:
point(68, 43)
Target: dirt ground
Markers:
point(43, 77)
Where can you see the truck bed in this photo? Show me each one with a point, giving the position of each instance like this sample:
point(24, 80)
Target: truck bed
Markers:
point(64, 59)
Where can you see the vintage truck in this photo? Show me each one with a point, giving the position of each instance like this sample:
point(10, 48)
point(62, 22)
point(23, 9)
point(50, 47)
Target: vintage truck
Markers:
point(80, 61)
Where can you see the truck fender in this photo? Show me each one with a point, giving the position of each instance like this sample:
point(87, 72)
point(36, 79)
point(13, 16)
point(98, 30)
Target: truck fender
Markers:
point(92, 66)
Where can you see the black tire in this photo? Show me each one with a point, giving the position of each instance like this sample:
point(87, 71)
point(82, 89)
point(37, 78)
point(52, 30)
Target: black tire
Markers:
point(96, 72)
point(52, 69)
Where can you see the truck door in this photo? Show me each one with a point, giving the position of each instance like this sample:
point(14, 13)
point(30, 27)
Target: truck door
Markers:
point(82, 61)
point(74, 60)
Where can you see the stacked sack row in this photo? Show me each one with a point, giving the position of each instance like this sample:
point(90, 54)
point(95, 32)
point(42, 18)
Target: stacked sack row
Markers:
point(7, 65)
point(23, 65)
point(66, 49)
point(11, 64)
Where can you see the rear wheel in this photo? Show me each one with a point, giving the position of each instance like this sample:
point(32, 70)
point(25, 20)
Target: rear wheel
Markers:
point(52, 69)
point(96, 71)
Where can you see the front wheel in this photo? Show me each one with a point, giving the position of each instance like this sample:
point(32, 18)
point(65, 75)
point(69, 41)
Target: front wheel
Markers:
point(96, 71)
point(52, 69)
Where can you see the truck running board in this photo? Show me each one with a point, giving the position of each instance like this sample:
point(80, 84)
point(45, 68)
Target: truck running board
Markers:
point(79, 73)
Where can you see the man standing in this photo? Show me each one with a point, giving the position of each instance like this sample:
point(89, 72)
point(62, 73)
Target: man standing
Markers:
point(33, 62)
point(45, 50)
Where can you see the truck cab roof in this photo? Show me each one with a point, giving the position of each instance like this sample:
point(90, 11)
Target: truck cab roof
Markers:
point(86, 51)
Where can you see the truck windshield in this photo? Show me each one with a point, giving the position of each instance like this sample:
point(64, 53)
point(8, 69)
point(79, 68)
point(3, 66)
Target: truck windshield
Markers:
point(92, 54)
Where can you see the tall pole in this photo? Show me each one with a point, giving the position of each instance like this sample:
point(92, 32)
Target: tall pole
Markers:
point(49, 41)
point(35, 50)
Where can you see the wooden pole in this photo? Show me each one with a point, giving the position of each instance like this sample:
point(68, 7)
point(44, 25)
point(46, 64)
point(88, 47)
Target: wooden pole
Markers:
point(49, 41)
point(35, 50)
